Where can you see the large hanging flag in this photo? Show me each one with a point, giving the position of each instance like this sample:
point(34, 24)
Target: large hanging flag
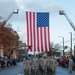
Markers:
point(38, 32)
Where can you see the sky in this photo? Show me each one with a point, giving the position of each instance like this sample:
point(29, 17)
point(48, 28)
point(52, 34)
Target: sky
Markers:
point(59, 26)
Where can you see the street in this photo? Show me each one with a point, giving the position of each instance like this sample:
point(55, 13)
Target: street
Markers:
point(14, 70)
point(18, 70)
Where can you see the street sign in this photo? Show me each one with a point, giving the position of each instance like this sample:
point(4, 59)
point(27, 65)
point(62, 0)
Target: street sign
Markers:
point(53, 49)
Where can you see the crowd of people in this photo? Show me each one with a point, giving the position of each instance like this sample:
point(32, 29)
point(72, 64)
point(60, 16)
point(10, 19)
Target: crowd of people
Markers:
point(42, 64)
point(47, 64)
point(6, 62)
point(65, 62)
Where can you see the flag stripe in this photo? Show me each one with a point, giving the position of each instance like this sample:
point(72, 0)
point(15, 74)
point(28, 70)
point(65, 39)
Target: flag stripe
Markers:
point(31, 30)
point(34, 30)
point(27, 28)
point(38, 39)
point(45, 38)
point(33, 23)
point(40, 47)
point(41, 39)
point(49, 38)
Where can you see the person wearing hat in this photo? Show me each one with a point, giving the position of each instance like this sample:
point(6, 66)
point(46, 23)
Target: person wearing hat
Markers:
point(54, 65)
point(35, 65)
point(27, 67)
point(44, 65)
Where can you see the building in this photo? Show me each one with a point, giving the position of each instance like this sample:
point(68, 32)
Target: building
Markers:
point(21, 50)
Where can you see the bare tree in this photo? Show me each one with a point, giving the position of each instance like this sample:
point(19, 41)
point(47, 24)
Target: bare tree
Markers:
point(55, 46)
point(52, 45)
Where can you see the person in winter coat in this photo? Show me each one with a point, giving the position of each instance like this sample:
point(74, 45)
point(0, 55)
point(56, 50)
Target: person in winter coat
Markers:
point(70, 65)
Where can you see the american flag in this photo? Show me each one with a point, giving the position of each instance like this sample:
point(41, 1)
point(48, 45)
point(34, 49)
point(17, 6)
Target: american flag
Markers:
point(38, 32)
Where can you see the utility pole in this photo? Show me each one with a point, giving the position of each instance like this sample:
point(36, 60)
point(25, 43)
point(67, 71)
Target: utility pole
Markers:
point(63, 44)
point(70, 42)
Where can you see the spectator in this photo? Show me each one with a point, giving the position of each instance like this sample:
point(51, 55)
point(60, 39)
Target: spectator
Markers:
point(70, 65)
point(63, 62)
point(74, 62)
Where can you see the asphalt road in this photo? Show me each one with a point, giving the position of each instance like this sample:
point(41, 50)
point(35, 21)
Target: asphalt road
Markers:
point(18, 70)
point(14, 70)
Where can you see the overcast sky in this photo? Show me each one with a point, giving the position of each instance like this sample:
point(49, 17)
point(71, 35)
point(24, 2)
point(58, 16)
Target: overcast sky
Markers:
point(59, 26)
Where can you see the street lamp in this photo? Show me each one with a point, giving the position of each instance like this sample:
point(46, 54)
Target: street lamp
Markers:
point(71, 42)
point(63, 43)
point(69, 20)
